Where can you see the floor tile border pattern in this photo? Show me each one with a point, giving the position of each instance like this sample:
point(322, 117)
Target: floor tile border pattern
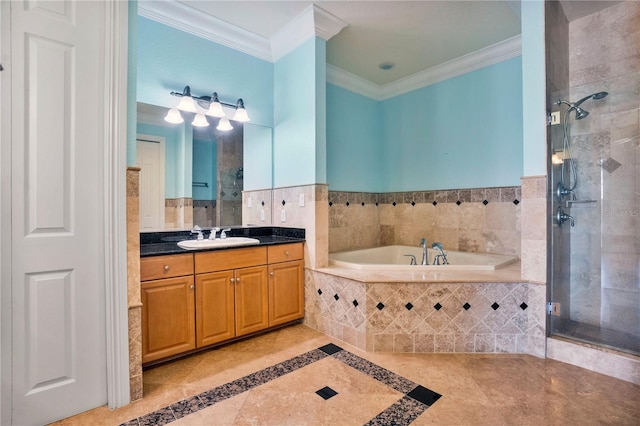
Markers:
point(415, 401)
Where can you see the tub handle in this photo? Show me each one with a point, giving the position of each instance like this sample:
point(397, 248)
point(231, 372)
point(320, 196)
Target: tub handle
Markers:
point(413, 259)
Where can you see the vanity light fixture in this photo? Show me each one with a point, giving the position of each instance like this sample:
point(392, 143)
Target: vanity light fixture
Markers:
point(211, 105)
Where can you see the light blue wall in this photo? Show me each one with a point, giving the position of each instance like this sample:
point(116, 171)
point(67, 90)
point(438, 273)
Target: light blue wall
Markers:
point(258, 167)
point(205, 167)
point(534, 73)
point(295, 117)
point(169, 59)
point(465, 132)
point(354, 141)
point(321, 110)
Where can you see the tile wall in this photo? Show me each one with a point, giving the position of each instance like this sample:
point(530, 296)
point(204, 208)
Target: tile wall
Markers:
point(428, 317)
point(134, 300)
point(474, 220)
point(178, 213)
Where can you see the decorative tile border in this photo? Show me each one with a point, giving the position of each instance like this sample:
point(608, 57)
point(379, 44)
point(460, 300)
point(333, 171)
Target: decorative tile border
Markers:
point(456, 196)
point(415, 401)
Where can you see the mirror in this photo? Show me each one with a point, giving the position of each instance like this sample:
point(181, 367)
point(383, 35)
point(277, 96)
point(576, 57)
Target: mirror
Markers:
point(195, 176)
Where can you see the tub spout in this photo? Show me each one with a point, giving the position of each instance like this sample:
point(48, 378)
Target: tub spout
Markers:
point(425, 259)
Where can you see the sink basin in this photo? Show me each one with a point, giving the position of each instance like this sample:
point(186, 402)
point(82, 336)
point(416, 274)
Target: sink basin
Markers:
point(220, 243)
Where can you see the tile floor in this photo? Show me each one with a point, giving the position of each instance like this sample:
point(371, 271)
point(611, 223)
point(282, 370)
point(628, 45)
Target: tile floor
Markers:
point(289, 377)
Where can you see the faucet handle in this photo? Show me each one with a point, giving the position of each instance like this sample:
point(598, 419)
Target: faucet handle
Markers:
point(423, 242)
point(212, 235)
point(223, 234)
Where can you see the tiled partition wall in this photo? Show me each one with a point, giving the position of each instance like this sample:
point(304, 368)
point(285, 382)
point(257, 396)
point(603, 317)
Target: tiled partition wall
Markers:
point(474, 220)
point(428, 317)
point(178, 213)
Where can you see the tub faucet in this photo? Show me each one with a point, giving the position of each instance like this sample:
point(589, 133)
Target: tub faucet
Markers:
point(425, 256)
point(436, 260)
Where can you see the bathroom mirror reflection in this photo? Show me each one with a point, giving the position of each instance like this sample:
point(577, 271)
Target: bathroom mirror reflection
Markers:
point(195, 175)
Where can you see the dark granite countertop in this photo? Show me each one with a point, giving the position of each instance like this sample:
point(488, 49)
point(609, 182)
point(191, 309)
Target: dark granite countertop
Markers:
point(163, 243)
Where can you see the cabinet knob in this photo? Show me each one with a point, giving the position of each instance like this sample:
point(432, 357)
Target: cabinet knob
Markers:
point(272, 273)
point(238, 279)
point(286, 253)
point(233, 280)
point(192, 287)
point(166, 267)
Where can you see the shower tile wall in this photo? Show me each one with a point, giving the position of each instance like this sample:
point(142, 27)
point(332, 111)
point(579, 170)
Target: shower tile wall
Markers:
point(204, 213)
point(605, 276)
point(178, 213)
point(474, 220)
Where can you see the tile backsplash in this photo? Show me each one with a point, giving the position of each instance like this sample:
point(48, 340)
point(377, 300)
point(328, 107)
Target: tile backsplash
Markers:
point(474, 220)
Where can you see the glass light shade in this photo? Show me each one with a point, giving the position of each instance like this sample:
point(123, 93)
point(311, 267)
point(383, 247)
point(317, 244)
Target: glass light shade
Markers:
point(200, 121)
point(187, 104)
point(224, 125)
point(173, 116)
point(241, 115)
point(215, 110)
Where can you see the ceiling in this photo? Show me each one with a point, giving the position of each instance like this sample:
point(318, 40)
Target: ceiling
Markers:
point(412, 35)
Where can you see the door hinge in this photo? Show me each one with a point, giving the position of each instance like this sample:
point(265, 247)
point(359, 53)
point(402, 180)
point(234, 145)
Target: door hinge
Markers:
point(553, 308)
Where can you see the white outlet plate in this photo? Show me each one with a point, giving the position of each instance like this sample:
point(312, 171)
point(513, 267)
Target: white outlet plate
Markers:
point(283, 215)
point(301, 200)
point(249, 202)
point(555, 118)
point(262, 215)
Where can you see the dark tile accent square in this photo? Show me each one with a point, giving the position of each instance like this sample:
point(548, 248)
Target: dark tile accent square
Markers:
point(326, 392)
point(409, 306)
point(516, 202)
point(495, 306)
point(435, 203)
point(394, 204)
point(413, 203)
point(523, 306)
point(437, 306)
point(466, 306)
point(377, 204)
point(380, 306)
point(347, 204)
point(330, 349)
point(424, 395)
point(335, 296)
point(362, 204)
point(355, 303)
point(330, 203)
point(485, 202)
point(458, 202)
point(284, 202)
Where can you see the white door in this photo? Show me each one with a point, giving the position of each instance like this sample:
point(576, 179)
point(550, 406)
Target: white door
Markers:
point(150, 157)
point(57, 209)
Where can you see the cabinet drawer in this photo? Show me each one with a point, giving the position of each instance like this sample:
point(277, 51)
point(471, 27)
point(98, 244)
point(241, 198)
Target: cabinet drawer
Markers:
point(285, 252)
point(176, 265)
point(230, 259)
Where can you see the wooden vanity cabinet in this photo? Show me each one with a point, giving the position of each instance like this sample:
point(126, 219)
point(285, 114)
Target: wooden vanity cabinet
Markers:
point(167, 291)
point(286, 283)
point(194, 300)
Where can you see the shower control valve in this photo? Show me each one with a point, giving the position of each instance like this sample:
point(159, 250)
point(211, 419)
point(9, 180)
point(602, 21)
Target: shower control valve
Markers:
point(562, 217)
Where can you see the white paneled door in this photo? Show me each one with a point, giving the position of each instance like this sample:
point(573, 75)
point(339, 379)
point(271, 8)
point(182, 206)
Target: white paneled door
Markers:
point(57, 209)
point(150, 157)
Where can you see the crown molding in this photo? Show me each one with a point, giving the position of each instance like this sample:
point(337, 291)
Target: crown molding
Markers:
point(313, 21)
point(490, 55)
point(192, 21)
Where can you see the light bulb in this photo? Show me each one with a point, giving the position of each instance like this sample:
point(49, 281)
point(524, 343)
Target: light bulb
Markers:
point(200, 121)
point(224, 125)
point(173, 116)
point(241, 113)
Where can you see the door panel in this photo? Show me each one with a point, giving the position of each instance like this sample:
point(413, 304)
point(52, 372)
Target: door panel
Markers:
point(215, 312)
point(286, 292)
point(252, 300)
point(57, 209)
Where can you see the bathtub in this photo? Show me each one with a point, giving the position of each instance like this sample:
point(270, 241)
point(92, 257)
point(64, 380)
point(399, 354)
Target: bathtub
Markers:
point(392, 258)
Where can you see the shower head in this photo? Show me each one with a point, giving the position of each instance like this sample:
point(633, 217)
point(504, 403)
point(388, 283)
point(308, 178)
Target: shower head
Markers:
point(580, 113)
point(575, 106)
point(598, 95)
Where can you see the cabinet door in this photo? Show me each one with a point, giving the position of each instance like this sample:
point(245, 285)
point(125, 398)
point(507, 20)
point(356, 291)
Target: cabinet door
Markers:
point(168, 318)
point(252, 300)
point(215, 313)
point(286, 292)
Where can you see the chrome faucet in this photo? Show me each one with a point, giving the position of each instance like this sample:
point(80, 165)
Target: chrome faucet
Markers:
point(436, 260)
point(212, 235)
point(197, 230)
point(223, 234)
point(425, 255)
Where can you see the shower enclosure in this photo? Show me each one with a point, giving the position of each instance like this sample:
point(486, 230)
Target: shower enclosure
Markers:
point(593, 199)
point(594, 203)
